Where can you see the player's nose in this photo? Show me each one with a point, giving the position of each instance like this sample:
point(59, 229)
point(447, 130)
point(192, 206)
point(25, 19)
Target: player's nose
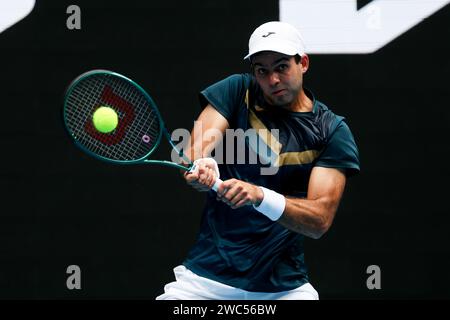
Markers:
point(274, 79)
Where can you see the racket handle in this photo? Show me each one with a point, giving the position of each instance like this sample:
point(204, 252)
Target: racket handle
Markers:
point(217, 184)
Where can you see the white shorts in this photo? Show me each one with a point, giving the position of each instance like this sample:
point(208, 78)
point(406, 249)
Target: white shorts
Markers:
point(189, 286)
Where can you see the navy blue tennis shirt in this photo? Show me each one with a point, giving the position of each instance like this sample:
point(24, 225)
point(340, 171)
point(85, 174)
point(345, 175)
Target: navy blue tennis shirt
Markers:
point(242, 247)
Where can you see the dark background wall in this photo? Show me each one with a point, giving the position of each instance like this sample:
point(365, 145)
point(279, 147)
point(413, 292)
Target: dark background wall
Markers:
point(128, 226)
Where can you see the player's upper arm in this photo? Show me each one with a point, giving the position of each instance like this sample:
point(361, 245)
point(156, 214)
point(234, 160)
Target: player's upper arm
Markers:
point(212, 119)
point(326, 186)
point(208, 131)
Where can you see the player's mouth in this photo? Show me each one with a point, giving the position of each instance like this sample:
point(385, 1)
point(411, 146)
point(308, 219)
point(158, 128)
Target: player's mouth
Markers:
point(279, 92)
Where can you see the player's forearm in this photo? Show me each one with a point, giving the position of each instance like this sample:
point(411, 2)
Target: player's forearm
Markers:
point(195, 148)
point(311, 218)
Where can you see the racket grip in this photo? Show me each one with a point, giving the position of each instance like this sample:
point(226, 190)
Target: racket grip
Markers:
point(217, 184)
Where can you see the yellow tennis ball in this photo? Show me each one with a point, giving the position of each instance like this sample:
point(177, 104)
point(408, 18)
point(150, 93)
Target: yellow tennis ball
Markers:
point(105, 119)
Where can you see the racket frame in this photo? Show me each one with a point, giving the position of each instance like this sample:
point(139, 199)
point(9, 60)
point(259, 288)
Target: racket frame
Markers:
point(162, 127)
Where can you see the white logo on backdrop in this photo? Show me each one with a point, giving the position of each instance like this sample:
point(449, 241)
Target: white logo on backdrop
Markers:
point(336, 26)
point(12, 12)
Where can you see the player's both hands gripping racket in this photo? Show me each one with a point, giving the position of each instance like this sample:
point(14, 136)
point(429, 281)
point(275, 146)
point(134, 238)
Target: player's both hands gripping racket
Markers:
point(113, 119)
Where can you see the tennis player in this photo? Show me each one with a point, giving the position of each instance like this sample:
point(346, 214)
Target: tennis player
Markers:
point(250, 243)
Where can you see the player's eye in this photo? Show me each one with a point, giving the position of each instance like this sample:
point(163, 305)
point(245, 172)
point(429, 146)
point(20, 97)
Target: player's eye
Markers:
point(282, 67)
point(261, 71)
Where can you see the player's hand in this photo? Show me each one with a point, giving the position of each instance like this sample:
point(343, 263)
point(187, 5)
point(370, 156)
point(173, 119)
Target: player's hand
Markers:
point(237, 193)
point(203, 177)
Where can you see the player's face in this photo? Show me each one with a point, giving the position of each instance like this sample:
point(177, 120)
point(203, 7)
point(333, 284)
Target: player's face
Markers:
point(279, 76)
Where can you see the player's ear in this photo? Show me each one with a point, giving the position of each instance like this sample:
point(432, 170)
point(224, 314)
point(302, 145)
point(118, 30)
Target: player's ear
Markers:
point(304, 62)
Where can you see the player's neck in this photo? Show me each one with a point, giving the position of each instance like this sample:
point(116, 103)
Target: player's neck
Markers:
point(302, 104)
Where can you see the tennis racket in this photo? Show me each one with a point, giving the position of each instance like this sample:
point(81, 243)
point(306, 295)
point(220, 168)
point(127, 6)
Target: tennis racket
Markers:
point(139, 129)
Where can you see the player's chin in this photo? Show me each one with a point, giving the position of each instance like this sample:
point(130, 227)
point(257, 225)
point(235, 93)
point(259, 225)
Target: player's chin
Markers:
point(281, 101)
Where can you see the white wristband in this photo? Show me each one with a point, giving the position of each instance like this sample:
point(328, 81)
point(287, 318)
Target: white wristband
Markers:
point(273, 204)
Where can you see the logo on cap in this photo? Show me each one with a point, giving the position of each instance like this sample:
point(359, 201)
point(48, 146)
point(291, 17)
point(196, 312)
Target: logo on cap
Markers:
point(268, 34)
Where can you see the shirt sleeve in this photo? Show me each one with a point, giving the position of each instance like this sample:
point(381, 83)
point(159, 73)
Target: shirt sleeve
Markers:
point(227, 95)
point(341, 151)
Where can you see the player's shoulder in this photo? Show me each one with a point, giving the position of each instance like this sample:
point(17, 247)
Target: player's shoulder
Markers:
point(245, 79)
point(327, 119)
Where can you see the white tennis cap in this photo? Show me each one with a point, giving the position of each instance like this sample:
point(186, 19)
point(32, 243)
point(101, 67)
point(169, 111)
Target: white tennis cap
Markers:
point(276, 36)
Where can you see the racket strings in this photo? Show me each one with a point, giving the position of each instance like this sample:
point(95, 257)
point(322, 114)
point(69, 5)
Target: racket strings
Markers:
point(139, 126)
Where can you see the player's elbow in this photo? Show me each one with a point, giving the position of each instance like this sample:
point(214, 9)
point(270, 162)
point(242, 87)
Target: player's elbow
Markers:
point(322, 226)
point(319, 232)
point(324, 217)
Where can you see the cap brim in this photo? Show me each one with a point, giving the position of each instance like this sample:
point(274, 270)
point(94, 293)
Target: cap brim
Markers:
point(290, 51)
